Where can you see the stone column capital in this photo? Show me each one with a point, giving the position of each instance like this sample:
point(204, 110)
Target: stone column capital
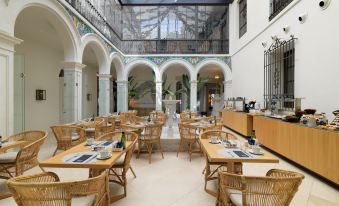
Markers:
point(72, 65)
point(122, 82)
point(7, 41)
point(104, 76)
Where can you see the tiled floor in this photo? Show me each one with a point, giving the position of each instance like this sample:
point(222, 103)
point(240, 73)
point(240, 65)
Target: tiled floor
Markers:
point(177, 182)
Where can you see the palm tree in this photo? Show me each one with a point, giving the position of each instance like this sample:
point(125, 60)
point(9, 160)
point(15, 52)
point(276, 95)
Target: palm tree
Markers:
point(186, 87)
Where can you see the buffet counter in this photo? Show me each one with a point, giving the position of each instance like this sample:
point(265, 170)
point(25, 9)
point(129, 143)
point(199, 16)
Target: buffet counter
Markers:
point(313, 148)
point(240, 122)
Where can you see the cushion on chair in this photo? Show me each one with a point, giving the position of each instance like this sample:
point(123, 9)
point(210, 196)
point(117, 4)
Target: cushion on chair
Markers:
point(8, 157)
point(91, 129)
point(75, 137)
point(3, 187)
point(83, 201)
point(235, 196)
point(120, 161)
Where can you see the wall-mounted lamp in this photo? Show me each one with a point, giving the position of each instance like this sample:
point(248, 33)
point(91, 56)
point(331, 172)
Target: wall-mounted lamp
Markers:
point(286, 28)
point(40, 94)
point(216, 77)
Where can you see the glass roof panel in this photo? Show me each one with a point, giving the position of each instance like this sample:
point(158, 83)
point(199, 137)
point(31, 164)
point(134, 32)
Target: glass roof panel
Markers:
point(174, 2)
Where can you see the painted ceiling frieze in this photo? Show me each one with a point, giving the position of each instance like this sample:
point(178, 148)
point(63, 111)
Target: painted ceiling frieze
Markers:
point(194, 60)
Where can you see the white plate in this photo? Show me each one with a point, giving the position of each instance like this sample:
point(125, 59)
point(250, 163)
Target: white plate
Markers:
point(101, 158)
point(260, 153)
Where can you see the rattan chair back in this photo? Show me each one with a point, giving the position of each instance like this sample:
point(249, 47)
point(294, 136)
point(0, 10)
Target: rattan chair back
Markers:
point(277, 188)
point(45, 190)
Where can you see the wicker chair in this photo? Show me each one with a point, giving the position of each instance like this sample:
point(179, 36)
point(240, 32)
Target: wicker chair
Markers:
point(277, 188)
point(4, 191)
point(117, 174)
point(211, 168)
point(150, 137)
point(105, 127)
point(126, 117)
point(68, 136)
point(44, 189)
point(99, 126)
point(130, 136)
point(188, 135)
point(185, 116)
point(16, 163)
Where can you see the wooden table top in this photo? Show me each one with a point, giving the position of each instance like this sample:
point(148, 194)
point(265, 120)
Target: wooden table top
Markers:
point(58, 160)
point(204, 126)
point(212, 152)
point(8, 145)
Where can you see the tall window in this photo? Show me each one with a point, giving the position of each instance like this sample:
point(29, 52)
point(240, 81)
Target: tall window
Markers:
point(276, 6)
point(279, 74)
point(242, 17)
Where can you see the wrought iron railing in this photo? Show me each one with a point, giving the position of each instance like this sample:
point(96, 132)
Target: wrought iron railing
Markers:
point(91, 14)
point(175, 46)
point(277, 6)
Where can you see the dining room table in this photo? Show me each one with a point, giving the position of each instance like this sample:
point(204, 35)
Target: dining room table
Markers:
point(219, 153)
point(82, 156)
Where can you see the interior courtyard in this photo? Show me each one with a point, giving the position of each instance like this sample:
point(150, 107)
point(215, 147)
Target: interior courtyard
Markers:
point(169, 102)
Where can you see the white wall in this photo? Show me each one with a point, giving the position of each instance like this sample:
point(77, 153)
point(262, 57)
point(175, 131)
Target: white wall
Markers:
point(89, 86)
point(316, 70)
point(42, 67)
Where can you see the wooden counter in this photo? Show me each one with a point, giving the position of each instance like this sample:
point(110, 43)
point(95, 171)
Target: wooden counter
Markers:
point(312, 148)
point(240, 122)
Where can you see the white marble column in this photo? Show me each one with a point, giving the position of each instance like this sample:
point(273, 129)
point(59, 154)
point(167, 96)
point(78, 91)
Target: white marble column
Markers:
point(122, 96)
point(72, 99)
point(104, 93)
point(7, 43)
point(194, 95)
point(158, 95)
point(228, 89)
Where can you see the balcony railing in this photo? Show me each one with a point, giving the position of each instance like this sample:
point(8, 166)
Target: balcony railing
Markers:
point(277, 6)
point(91, 14)
point(175, 46)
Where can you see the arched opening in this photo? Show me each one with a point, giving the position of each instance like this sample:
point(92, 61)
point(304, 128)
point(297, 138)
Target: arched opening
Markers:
point(37, 66)
point(141, 89)
point(210, 89)
point(113, 86)
point(176, 80)
point(90, 82)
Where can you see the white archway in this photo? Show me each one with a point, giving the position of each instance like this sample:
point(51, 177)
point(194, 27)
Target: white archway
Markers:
point(57, 16)
point(116, 59)
point(100, 51)
point(188, 66)
point(213, 61)
point(130, 66)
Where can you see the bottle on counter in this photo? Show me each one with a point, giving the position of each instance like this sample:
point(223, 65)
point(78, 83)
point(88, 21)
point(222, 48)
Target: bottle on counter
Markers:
point(0, 141)
point(215, 120)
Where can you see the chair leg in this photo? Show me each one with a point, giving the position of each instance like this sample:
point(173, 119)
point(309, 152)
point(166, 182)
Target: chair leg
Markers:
point(139, 147)
point(42, 169)
point(179, 148)
point(162, 154)
point(149, 149)
point(130, 167)
point(55, 152)
point(190, 150)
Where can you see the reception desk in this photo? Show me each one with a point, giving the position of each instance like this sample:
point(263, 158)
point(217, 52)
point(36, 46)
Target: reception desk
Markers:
point(240, 122)
point(312, 148)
